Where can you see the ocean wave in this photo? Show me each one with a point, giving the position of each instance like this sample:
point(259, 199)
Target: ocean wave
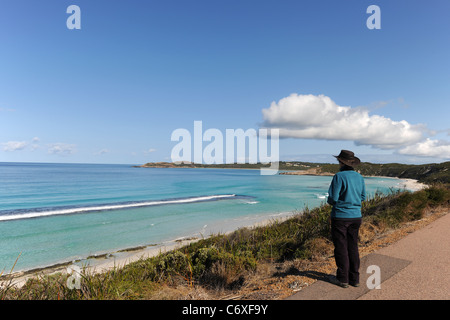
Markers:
point(45, 212)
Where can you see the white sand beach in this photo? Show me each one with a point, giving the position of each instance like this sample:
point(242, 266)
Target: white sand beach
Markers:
point(412, 184)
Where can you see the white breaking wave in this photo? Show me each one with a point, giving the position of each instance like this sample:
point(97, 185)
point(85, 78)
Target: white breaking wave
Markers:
point(52, 212)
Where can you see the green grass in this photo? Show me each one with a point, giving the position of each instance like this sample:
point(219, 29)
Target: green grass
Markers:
point(222, 261)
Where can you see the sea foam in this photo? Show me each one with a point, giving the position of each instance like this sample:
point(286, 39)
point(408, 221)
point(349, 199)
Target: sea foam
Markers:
point(44, 212)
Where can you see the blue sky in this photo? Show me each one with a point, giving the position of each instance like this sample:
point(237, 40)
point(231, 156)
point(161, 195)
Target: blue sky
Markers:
point(115, 90)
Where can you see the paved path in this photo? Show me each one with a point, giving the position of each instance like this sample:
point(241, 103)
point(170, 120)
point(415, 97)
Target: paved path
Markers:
point(415, 267)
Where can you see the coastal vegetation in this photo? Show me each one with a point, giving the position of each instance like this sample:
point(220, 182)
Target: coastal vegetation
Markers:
point(425, 173)
point(224, 262)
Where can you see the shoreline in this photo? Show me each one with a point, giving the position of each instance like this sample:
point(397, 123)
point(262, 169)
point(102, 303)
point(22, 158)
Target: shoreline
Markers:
point(409, 184)
point(97, 263)
point(103, 262)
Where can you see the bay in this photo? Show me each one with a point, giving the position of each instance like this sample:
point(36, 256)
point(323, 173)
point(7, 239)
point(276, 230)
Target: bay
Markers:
point(53, 213)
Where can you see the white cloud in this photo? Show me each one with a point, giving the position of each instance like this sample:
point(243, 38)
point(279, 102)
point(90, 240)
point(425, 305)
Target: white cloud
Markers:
point(150, 150)
point(428, 148)
point(102, 151)
point(319, 117)
point(35, 143)
point(14, 145)
point(61, 149)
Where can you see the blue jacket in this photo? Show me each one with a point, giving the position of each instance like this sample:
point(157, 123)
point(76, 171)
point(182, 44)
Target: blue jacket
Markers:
point(346, 192)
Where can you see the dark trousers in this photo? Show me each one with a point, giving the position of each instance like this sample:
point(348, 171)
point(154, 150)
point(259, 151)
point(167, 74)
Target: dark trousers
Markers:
point(345, 239)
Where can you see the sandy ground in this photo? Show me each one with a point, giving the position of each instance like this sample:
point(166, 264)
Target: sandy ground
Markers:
point(411, 184)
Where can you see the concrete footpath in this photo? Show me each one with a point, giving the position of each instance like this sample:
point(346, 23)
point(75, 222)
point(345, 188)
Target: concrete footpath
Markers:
point(416, 267)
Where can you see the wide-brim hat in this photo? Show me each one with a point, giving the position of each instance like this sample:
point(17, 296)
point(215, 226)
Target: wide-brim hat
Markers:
point(348, 157)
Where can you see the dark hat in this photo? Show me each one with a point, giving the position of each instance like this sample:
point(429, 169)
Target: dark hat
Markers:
point(348, 157)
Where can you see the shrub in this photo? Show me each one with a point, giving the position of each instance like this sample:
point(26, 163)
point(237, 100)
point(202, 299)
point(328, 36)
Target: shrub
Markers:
point(438, 195)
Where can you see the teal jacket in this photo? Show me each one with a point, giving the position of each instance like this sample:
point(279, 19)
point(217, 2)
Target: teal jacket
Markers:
point(346, 192)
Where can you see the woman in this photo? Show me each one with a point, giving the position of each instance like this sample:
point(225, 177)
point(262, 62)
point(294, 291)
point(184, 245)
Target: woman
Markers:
point(346, 192)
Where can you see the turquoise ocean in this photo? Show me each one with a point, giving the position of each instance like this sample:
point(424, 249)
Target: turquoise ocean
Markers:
point(54, 213)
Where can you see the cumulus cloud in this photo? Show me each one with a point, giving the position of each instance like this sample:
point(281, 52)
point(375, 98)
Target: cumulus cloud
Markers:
point(428, 148)
point(14, 145)
point(63, 149)
point(319, 117)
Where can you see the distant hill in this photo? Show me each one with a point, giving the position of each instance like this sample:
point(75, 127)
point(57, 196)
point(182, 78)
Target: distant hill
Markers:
point(425, 173)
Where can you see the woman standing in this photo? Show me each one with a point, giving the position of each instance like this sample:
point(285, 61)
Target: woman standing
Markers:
point(346, 192)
